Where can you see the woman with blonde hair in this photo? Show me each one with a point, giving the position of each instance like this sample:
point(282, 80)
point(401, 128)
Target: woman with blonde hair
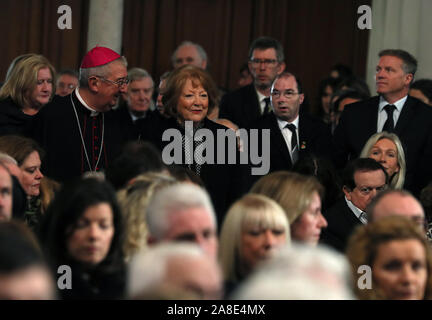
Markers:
point(399, 257)
point(300, 197)
point(134, 200)
point(254, 227)
point(29, 87)
point(387, 149)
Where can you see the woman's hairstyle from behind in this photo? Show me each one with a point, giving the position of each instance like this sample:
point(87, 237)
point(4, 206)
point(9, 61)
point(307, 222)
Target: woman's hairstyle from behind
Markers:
point(398, 180)
point(326, 174)
point(65, 210)
point(19, 147)
point(253, 210)
point(177, 80)
point(137, 157)
point(48, 189)
point(15, 62)
point(424, 86)
point(23, 79)
point(292, 191)
point(134, 200)
point(363, 247)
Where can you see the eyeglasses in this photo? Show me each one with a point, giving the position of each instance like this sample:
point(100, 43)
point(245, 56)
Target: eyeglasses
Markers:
point(68, 86)
point(266, 62)
point(420, 221)
point(119, 83)
point(367, 190)
point(145, 90)
point(287, 94)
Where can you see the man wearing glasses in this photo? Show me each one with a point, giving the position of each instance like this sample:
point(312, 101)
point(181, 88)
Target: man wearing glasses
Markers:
point(245, 105)
point(363, 179)
point(293, 134)
point(79, 132)
point(67, 81)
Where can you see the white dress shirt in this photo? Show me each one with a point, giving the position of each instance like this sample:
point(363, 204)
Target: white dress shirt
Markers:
point(382, 114)
point(262, 102)
point(287, 134)
point(360, 214)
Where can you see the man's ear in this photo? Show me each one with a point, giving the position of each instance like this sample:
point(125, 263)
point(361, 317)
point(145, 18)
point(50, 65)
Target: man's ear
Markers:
point(281, 67)
point(409, 78)
point(347, 192)
point(94, 84)
point(301, 98)
point(204, 64)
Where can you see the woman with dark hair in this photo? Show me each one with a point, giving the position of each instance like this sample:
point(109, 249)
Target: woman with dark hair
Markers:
point(28, 155)
point(324, 171)
point(83, 229)
point(325, 91)
point(422, 90)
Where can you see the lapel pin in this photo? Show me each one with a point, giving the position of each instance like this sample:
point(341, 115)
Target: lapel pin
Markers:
point(303, 145)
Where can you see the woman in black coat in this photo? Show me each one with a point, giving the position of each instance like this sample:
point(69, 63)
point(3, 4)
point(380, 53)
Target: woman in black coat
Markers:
point(28, 87)
point(189, 96)
point(83, 229)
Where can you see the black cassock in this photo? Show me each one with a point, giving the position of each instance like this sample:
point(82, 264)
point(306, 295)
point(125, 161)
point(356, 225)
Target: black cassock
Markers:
point(56, 129)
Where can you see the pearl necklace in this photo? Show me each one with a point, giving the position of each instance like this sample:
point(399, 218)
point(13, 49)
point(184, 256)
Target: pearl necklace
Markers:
point(82, 138)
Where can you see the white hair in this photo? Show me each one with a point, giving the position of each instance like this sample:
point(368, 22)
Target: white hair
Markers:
point(300, 272)
point(5, 158)
point(100, 71)
point(171, 199)
point(147, 269)
point(199, 48)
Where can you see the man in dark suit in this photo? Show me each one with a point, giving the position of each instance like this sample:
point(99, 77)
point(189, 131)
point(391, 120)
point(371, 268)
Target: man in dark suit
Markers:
point(363, 178)
point(293, 134)
point(245, 105)
point(138, 100)
point(394, 111)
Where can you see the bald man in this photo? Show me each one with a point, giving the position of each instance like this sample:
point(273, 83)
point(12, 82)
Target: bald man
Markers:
point(397, 203)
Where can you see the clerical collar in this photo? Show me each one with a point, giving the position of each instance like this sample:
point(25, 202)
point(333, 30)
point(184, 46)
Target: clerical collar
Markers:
point(398, 104)
point(93, 113)
point(282, 123)
point(360, 214)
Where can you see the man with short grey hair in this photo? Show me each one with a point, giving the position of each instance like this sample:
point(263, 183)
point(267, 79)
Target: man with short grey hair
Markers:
point(174, 271)
point(138, 101)
point(183, 212)
point(392, 110)
point(79, 132)
point(189, 52)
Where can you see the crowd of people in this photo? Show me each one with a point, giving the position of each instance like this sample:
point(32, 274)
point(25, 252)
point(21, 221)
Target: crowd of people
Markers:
point(112, 188)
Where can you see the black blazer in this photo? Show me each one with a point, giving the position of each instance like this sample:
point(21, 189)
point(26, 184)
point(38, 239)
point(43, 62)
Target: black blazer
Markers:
point(341, 224)
point(314, 138)
point(241, 106)
point(224, 182)
point(414, 128)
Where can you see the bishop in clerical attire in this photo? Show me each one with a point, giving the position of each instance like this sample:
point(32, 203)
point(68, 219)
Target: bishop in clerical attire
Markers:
point(79, 132)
